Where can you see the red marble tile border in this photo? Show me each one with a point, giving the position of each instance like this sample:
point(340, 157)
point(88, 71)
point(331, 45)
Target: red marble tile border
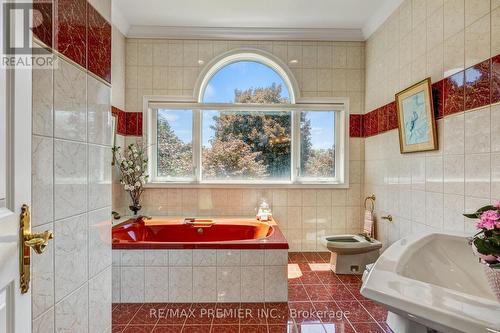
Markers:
point(477, 85)
point(356, 125)
point(98, 44)
point(71, 30)
point(77, 31)
point(495, 79)
point(43, 21)
point(129, 123)
point(121, 126)
point(474, 87)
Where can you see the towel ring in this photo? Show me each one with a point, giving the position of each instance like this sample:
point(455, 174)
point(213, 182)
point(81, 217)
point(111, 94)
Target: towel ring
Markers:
point(371, 198)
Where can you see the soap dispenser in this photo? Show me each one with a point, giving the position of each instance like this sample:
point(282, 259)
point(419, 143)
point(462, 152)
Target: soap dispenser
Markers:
point(264, 213)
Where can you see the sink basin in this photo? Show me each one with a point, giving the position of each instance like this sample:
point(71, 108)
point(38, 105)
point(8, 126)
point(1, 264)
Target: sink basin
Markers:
point(434, 280)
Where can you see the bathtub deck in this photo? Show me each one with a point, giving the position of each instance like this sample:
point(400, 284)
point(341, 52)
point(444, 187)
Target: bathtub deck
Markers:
point(312, 287)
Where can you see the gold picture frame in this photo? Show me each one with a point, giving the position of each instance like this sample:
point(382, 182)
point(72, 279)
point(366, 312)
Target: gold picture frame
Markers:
point(416, 121)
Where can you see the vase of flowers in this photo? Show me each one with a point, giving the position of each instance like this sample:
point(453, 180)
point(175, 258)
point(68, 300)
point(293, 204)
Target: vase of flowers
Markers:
point(486, 243)
point(133, 164)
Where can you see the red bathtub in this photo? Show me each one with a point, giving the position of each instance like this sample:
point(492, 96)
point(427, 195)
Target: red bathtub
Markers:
point(179, 233)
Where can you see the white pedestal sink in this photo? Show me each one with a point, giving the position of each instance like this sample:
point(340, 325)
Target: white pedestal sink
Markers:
point(433, 280)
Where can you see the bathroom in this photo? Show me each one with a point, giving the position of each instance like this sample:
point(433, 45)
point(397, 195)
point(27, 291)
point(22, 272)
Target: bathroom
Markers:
point(248, 167)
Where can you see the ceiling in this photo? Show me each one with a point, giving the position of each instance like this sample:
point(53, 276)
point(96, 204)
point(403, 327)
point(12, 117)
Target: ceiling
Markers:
point(163, 17)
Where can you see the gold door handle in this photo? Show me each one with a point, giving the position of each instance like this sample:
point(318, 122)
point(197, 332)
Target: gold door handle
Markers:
point(37, 241)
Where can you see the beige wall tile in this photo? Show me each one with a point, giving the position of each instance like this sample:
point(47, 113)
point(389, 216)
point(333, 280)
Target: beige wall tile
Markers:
point(454, 17)
point(475, 9)
point(477, 41)
point(454, 53)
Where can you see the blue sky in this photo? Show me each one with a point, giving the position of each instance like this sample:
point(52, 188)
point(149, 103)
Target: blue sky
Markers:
point(244, 75)
point(241, 75)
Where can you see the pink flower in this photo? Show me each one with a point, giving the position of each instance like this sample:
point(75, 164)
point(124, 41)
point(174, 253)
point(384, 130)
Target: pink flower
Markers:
point(496, 204)
point(489, 220)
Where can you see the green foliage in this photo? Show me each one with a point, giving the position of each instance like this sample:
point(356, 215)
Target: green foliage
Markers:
point(245, 145)
point(175, 158)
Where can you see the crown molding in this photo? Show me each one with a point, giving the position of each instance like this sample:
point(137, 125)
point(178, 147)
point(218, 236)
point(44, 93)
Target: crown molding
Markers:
point(379, 17)
point(136, 31)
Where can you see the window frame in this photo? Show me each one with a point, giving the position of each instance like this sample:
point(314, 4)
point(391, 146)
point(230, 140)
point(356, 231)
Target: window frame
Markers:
point(339, 105)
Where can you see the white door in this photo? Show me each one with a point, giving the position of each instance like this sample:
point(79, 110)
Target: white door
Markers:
point(15, 186)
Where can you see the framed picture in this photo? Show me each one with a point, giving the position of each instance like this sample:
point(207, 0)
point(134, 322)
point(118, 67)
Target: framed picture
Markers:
point(417, 125)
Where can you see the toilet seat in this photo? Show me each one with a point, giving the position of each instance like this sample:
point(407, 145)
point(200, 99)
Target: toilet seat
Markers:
point(350, 244)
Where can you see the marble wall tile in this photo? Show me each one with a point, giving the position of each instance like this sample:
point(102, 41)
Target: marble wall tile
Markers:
point(132, 285)
point(44, 323)
point(99, 230)
point(453, 171)
point(180, 257)
point(181, 284)
point(116, 284)
point(42, 277)
point(43, 103)
point(275, 278)
point(100, 302)
point(228, 258)
point(70, 178)
point(252, 283)
point(228, 284)
point(132, 258)
point(72, 312)
point(276, 257)
point(99, 182)
point(252, 257)
point(478, 175)
point(42, 180)
point(70, 113)
point(204, 284)
point(156, 258)
point(98, 112)
point(477, 135)
point(71, 253)
point(205, 258)
point(477, 41)
point(156, 284)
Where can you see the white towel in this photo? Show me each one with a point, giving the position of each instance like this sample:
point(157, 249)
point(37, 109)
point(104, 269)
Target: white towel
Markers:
point(368, 224)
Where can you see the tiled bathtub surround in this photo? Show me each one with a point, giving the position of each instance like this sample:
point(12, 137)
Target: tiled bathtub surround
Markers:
point(456, 43)
point(184, 276)
point(71, 194)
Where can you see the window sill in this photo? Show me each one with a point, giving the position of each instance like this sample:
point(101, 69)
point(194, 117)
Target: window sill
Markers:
point(247, 185)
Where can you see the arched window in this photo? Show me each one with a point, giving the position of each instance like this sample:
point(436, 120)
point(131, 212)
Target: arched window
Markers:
point(246, 82)
point(247, 127)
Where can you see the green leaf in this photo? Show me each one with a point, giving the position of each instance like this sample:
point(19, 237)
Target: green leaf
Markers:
point(485, 208)
point(472, 216)
point(485, 247)
point(495, 266)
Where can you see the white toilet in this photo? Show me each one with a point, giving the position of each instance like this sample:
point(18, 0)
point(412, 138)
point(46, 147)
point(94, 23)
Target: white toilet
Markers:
point(351, 253)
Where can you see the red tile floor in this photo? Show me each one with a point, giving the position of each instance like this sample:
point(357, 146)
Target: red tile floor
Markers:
point(319, 301)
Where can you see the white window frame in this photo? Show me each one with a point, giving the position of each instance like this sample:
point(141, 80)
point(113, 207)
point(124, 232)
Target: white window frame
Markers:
point(339, 105)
